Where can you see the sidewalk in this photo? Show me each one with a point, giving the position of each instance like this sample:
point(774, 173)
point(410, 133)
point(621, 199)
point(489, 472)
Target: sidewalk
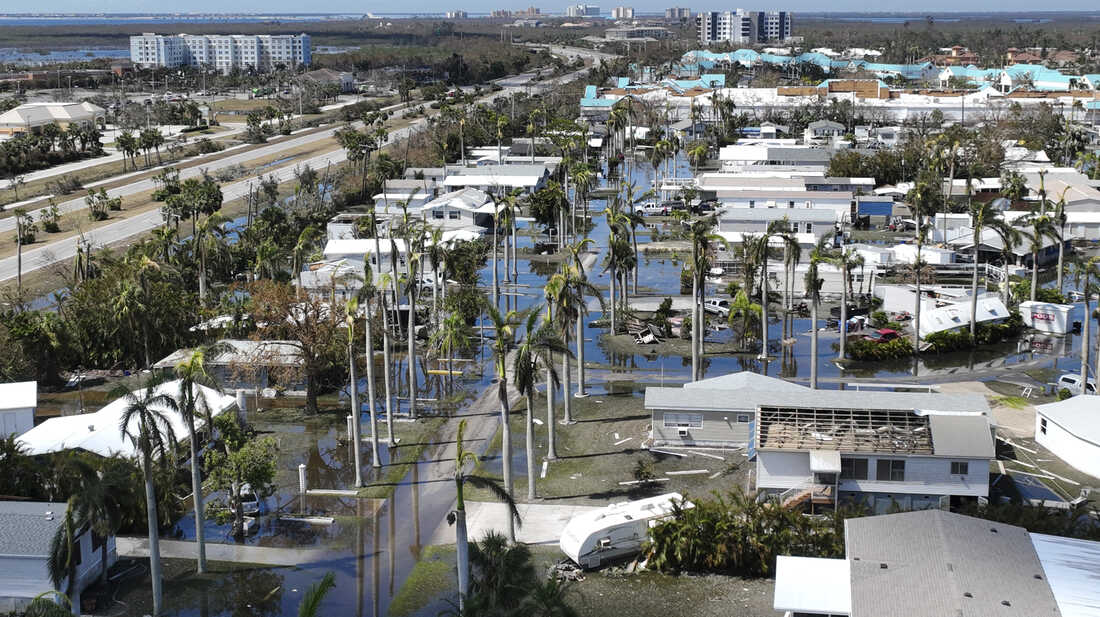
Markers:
point(237, 553)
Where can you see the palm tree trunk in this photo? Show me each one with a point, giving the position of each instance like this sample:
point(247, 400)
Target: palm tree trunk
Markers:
point(551, 448)
point(1085, 339)
point(1061, 258)
point(196, 492)
point(813, 344)
point(506, 452)
point(412, 343)
point(566, 386)
point(530, 421)
point(974, 295)
point(515, 266)
point(581, 392)
point(700, 332)
point(496, 289)
point(764, 306)
point(369, 344)
point(387, 378)
point(637, 262)
point(154, 531)
point(614, 275)
point(695, 303)
point(1034, 271)
point(844, 309)
point(353, 389)
point(462, 548)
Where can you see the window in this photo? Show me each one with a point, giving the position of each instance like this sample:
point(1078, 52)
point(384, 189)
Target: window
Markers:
point(743, 417)
point(853, 469)
point(452, 214)
point(683, 420)
point(752, 204)
point(437, 214)
point(809, 227)
point(1043, 426)
point(960, 468)
point(891, 470)
point(790, 204)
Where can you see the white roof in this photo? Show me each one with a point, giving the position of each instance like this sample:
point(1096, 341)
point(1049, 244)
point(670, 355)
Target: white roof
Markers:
point(99, 432)
point(745, 379)
point(957, 315)
point(466, 199)
point(1072, 568)
point(19, 395)
point(735, 237)
point(1077, 415)
point(360, 246)
point(813, 585)
point(37, 114)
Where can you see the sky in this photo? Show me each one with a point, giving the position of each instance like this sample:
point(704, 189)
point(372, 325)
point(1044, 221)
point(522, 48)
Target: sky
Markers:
point(357, 6)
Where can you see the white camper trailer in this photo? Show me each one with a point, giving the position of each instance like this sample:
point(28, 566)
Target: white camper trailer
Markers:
point(597, 537)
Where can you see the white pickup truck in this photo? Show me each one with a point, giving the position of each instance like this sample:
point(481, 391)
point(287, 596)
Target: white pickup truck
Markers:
point(717, 306)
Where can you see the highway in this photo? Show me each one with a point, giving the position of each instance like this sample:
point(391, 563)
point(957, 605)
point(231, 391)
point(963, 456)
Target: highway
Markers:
point(36, 257)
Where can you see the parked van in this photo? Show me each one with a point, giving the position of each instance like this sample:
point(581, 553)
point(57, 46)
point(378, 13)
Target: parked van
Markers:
point(599, 537)
point(1072, 383)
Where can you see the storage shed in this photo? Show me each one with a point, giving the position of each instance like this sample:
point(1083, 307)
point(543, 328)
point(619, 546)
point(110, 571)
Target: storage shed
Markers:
point(1071, 430)
point(17, 404)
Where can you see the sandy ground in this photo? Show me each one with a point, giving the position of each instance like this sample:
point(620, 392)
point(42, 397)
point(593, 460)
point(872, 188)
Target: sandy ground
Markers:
point(1013, 421)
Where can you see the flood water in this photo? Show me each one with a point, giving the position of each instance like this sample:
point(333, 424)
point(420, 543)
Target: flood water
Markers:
point(372, 546)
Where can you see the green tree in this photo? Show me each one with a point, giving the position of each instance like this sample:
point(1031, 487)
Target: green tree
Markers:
point(238, 458)
point(192, 377)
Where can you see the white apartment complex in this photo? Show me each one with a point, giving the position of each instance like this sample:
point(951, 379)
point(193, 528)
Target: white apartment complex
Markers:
point(224, 52)
point(743, 27)
point(622, 12)
point(582, 10)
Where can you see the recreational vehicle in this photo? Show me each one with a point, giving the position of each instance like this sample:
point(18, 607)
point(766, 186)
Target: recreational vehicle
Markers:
point(597, 537)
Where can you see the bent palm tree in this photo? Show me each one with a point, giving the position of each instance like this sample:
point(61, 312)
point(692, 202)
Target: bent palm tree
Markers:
point(457, 517)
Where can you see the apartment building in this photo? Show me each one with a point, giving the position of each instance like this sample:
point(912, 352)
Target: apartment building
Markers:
point(677, 13)
point(622, 12)
point(224, 53)
point(582, 10)
point(743, 27)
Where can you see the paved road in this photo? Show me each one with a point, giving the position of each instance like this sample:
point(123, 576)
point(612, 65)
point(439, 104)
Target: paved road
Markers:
point(60, 250)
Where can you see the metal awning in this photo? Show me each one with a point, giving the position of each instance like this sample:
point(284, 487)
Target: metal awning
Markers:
point(825, 461)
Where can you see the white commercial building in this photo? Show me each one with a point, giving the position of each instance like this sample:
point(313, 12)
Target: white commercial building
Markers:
point(582, 10)
point(622, 12)
point(224, 52)
point(17, 404)
point(741, 26)
point(1071, 430)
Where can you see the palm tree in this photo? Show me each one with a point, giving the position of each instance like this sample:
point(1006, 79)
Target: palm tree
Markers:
point(742, 310)
point(351, 307)
point(701, 241)
point(209, 236)
point(192, 373)
point(1085, 272)
point(813, 287)
point(311, 601)
point(365, 297)
point(457, 517)
point(845, 260)
point(536, 349)
point(1013, 186)
point(145, 424)
point(453, 335)
point(65, 553)
point(1042, 228)
point(1010, 239)
point(567, 291)
point(505, 328)
point(307, 240)
point(1060, 220)
point(387, 378)
point(981, 215)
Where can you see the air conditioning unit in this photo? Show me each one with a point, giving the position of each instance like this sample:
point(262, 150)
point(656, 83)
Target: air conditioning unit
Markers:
point(683, 432)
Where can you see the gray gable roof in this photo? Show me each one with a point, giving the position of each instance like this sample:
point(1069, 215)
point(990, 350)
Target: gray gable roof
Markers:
point(745, 379)
point(964, 436)
point(924, 563)
point(751, 398)
point(26, 527)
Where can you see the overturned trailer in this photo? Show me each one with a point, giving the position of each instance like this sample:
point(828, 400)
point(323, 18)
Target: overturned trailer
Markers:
point(595, 538)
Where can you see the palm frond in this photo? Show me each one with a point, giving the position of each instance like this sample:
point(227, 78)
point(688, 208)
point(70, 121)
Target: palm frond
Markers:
point(497, 491)
point(311, 601)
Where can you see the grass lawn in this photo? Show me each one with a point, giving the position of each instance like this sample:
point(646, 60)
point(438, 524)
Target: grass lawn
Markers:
point(413, 438)
point(432, 584)
point(602, 449)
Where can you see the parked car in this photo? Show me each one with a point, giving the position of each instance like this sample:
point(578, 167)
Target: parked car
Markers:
point(250, 503)
point(883, 335)
point(654, 209)
point(1072, 383)
point(718, 306)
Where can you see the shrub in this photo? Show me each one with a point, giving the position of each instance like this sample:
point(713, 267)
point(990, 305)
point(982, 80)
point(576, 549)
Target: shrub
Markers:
point(986, 333)
point(65, 184)
point(865, 350)
point(1063, 394)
